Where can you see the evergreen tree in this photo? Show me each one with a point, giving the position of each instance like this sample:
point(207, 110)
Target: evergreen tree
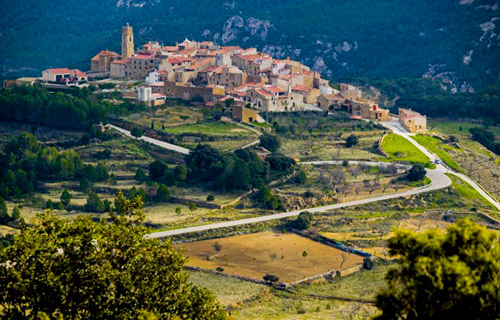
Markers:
point(16, 214)
point(162, 193)
point(241, 174)
point(65, 198)
point(140, 175)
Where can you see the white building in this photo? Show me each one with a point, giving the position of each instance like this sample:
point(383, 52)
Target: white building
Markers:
point(153, 77)
point(144, 94)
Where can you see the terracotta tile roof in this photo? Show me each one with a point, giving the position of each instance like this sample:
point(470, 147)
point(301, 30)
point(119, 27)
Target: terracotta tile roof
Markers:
point(143, 56)
point(119, 62)
point(105, 53)
point(59, 70)
point(301, 88)
point(273, 89)
point(263, 92)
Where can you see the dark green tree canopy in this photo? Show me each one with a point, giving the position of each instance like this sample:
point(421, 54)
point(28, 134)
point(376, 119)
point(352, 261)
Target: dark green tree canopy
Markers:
point(107, 270)
point(452, 275)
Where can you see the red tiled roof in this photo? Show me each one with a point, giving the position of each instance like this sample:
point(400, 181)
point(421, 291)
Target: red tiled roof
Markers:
point(274, 89)
point(144, 56)
point(119, 62)
point(60, 70)
point(105, 53)
point(301, 88)
point(263, 92)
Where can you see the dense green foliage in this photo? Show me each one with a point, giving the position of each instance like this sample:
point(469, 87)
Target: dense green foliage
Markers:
point(486, 138)
point(270, 142)
point(359, 37)
point(452, 275)
point(416, 173)
point(87, 270)
point(36, 105)
point(351, 141)
point(25, 163)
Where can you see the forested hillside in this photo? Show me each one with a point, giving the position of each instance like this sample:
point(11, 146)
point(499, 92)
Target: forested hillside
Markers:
point(455, 42)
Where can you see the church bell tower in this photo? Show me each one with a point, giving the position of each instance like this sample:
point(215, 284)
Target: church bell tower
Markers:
point(127, 42)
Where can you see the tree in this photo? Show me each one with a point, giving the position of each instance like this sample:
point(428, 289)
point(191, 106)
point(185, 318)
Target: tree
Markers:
point(303, 221)
point(217, 246)
point(416, 173)
point(162, 193)
point(16, 214)
point(301, 178)
point(210, 197)
point(271, 278)
point(106, 270)
point(65, 198)
point(192, 206)
point(351, 141)
point(178, 210)
point(452, 275)
point(368, 263)
point(241, 174)
point(136, 132)
point(140, 175)
point(270, 142)
point(94, 204)
point(84, 185)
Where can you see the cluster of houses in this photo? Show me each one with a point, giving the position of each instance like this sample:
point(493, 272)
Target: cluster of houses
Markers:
point(210, 74)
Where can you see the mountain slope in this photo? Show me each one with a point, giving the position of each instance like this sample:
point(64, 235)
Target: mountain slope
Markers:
point(456, 41)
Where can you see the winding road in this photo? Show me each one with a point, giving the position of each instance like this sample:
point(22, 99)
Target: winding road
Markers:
point(438, 177)
point(156, 142)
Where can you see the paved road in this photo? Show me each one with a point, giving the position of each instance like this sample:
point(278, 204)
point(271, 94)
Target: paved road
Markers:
point(437, 176)
point(396, 127)
point(156, 142)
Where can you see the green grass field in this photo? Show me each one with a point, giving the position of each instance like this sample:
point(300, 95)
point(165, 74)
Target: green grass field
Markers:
point(433, 145)
point(458, 128)
point(466, 191)
point(399, 149)
point(302, 302)
point(229, 291)
point(211, 128)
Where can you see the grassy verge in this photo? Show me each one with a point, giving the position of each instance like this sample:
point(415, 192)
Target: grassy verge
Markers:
point(466, 191)
point(400, 149)
point(432, 144)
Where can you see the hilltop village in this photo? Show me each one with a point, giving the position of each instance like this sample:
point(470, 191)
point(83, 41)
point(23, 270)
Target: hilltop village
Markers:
point(209, 74)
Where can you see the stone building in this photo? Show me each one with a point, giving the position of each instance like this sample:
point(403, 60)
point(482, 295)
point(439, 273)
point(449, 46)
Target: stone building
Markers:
point(101, 62)
point(127, 42)
point(412, 120)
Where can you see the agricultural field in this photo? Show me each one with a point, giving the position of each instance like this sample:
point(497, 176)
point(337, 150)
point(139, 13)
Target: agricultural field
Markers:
point(458, 128)
point(230, 291)
point(189, 126)
point(328, 184)
point(399, 149)
point(288, 256)
point(169, 115)
point(320, 300)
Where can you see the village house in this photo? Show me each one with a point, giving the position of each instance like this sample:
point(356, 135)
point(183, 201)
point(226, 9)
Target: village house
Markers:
point(63, 75)
point(412, 120)
point(330, 102)
point(366, 109)
point(101, 62)
point(349, 91)
point(229, 77)
point(243, 114)
point(141, 65)
point(118, 69)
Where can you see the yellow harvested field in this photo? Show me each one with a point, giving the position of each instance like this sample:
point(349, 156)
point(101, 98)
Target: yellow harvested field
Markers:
point(281, 254)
